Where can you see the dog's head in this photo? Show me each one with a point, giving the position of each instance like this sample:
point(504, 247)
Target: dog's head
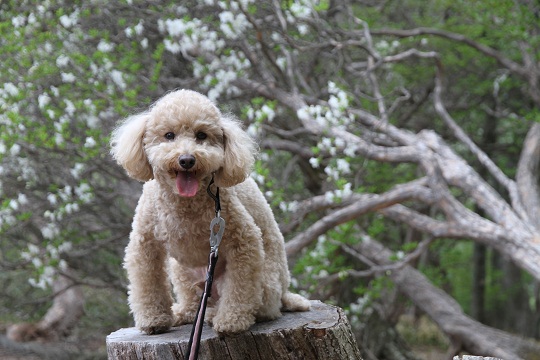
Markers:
point(182, 139)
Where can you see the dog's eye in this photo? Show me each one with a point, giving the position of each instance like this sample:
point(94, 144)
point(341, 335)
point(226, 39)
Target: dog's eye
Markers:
point(201, 135)
point(169, 136)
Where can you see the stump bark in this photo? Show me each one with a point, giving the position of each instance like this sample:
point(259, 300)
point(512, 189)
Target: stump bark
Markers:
point(470, 357)
point(321, 333)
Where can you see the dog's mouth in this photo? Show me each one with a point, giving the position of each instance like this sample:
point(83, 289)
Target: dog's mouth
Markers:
point(187, 183)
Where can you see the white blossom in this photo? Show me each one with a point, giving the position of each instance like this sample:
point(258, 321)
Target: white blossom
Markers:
point(68, 77)
point(37, 262)
point(233, 25)
point(84, 193)
point(331, 172)
point(50, 231)
point(314, 162)
point(22, 199)
point(118, 78)
point(62, 60)
point(253, 130)
point(269, 112)
point(31, 19)
point(172, 46)
point(289, 206)
point(350, 150)
point(343, 166)
point(77, 170)
point(70, 107)
point(52, 199)
point(105, 46)
point(136, 30)
point(18, 21)
point(68, 21)
point(300, 9)
point(55, 91)
point(303, 29)
point(11, 89)
point(15, 150)
point(71, 208)
point(65, 193)
point(65, 247)
point(13, 204)
point(175, 27)
point(303, 113)
point(43, 100)
point(89, 142)
point(281, 62)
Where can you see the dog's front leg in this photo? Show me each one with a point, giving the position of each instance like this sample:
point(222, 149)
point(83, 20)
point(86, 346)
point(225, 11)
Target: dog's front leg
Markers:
point(240, 289)
point(184, 281)
point(149, 290)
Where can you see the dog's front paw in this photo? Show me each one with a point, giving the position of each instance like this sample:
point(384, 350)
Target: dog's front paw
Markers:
point(155, 325)
point(232, 323)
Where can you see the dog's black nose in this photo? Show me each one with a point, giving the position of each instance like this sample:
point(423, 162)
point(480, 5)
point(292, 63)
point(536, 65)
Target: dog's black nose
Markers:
point(187, 161)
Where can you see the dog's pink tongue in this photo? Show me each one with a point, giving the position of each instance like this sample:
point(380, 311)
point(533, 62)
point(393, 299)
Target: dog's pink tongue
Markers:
point(186, 183)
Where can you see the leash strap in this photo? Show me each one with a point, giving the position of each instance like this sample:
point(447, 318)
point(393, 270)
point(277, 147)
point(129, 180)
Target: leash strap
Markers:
point(196, 331)
point(215, 239)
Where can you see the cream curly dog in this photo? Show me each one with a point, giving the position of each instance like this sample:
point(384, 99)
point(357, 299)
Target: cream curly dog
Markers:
point(175, 147)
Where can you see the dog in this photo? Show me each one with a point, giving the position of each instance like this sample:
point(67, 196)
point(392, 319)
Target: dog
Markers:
point(176, 147)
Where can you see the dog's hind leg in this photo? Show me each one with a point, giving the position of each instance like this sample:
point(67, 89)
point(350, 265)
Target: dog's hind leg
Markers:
point(294, 302)
point(271, 298)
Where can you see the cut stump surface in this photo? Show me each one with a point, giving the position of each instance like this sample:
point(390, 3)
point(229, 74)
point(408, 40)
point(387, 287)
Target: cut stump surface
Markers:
point(321, 333)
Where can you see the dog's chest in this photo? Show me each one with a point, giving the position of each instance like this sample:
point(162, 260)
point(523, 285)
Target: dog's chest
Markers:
point(186, 232)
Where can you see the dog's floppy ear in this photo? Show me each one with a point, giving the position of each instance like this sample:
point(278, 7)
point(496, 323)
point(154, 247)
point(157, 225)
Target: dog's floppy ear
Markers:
point(127, 147)
point(239, 154)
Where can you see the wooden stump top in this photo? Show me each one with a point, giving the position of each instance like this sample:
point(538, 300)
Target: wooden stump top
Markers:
point(471, 357)
point(321, 333)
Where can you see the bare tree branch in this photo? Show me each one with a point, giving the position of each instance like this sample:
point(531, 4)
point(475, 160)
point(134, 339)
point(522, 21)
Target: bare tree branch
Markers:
point(484, 159)
point(527, 175)
point(375, 269)
point(412, 190)
point(486, 50)
point(286, 145)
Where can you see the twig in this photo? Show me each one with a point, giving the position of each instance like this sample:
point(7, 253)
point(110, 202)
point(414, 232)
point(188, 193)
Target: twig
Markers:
point(374, 269)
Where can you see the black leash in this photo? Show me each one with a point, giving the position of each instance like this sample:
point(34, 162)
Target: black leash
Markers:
point(215, 238)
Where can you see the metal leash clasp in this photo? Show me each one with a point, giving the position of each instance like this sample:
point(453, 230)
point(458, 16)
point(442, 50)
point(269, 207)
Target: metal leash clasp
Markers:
point(216, 235)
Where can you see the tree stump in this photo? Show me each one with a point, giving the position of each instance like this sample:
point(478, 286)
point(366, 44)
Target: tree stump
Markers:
point(321, 333)
point(470, 357)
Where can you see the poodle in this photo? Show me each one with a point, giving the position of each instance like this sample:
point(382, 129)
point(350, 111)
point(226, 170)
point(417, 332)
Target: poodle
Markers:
point(176, 148)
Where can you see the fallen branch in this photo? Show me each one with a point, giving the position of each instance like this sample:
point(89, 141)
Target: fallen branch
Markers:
point(464, 332)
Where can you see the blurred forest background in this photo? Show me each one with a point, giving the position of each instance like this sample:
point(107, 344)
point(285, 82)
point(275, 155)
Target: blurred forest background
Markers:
point(400, 144)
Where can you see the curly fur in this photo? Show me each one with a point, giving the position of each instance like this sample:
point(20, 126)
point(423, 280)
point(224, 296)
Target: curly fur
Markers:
point(169, 241)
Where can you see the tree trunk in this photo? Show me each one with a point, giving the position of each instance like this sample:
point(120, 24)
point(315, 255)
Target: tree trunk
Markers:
point(322, 333)
point(58, 322)
point(479, 282)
